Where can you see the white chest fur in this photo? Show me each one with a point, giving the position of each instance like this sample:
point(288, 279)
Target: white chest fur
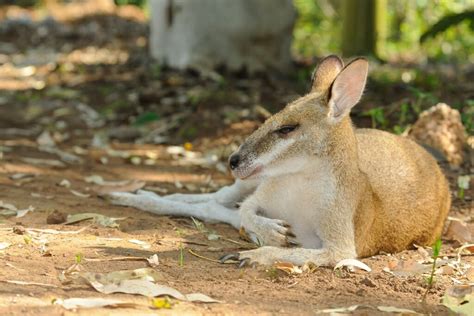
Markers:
point(299, 199)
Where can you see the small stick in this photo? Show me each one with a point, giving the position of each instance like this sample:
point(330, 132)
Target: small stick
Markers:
point(206, 258)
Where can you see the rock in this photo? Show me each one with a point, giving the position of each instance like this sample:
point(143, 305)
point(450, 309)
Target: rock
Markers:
point(56, 217)
point(440, 127)
point(367, 282)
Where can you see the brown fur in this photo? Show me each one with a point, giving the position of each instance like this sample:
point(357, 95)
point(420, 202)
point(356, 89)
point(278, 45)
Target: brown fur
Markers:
point(389, 187)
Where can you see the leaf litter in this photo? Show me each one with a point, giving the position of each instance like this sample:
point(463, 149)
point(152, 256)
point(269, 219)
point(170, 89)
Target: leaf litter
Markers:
point(92, 302)
point(139, 281)
point(99, 219)
point(7, 209)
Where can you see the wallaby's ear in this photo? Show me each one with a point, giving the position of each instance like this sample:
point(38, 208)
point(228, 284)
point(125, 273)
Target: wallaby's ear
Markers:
point(347, 89)
point(324, 75)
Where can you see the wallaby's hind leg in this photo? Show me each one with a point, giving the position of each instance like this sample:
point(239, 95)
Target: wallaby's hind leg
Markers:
point(268, 255)
point(150, 202)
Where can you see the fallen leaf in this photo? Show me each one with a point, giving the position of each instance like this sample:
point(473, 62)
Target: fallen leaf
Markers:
point(445, 270)
point(288, 267)
point(21, 213)
point(350, 263)
point(100, 219)
point(56, 232)
point(143, 244)
point(153, 260)
point(44, 162)
point(392, 309)
point(4, 245)
point(79, 194)
point(65, 183)
point(410, 267)
point(198, 297)
point(19, 176)
point(11, 210)
point(95, 302)
point(139, 281)
point(459, 231)
point(45, 139)
point(470, 274)
point(161, 303)
point(335, 311)
point(7, 206)
point(459, 301)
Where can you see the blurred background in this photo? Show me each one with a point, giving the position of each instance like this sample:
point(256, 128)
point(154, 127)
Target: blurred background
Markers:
point(207, 72)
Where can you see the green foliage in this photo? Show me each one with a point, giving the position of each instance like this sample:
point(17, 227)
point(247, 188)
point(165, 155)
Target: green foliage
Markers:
point(78, 258)
point(138, 3)
point(436, 250)
point(378, 117)
point(447, 22)
point(318, 30)
point(145, 118)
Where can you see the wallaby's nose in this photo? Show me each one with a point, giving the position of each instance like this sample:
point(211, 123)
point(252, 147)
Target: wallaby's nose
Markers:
point(234, 161)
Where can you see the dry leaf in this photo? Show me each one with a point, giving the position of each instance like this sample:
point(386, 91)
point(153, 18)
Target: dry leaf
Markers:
point(19, 176)
point(45, 139)
point(44, 162)
point(459, 299)
point(409, 268)
point(446, 270)
point(21, 213)
point(335, 311)
point(4, 245)
point(95, 302)
point(100, 219)
point(56, 232)
point(7, 206)
point(351, 263)
point(153, 261)
point(459, 232)
point(143, 244)
point(79, 194)
point(65, 183)
point(139, 281)
point(11, 210)
point(392, 309)
point(288, 267)
point(470, 274)
point(161, 303)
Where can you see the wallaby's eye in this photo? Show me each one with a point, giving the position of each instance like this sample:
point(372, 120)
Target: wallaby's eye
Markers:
point(286, 129)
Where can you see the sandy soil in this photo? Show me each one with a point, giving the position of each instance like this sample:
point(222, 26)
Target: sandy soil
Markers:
point(48, 99)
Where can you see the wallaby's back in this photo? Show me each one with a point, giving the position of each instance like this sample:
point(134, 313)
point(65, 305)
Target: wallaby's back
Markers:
point(407, 198)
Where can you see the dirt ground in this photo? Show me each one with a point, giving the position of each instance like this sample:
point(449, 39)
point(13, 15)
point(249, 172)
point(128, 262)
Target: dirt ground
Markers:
point(124, 90)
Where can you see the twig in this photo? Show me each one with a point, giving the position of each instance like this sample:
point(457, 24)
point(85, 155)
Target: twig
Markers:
point(116, 259)
point(208, 259)
point(29, 283)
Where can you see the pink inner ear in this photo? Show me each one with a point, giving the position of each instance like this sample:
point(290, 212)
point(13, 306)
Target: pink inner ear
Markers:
point(348, 87)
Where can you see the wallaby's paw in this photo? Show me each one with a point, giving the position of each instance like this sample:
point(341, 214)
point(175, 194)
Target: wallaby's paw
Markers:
point(263, 255)
point(270, 232)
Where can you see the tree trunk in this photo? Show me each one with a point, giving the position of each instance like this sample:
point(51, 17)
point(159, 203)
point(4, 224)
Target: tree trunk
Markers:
point(251, 34)
point(363, 31)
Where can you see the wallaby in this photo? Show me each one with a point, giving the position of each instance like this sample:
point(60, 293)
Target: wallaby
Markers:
point(307, 177)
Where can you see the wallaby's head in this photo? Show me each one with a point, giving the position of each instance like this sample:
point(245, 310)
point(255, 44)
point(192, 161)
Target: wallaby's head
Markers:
point(303, 128)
